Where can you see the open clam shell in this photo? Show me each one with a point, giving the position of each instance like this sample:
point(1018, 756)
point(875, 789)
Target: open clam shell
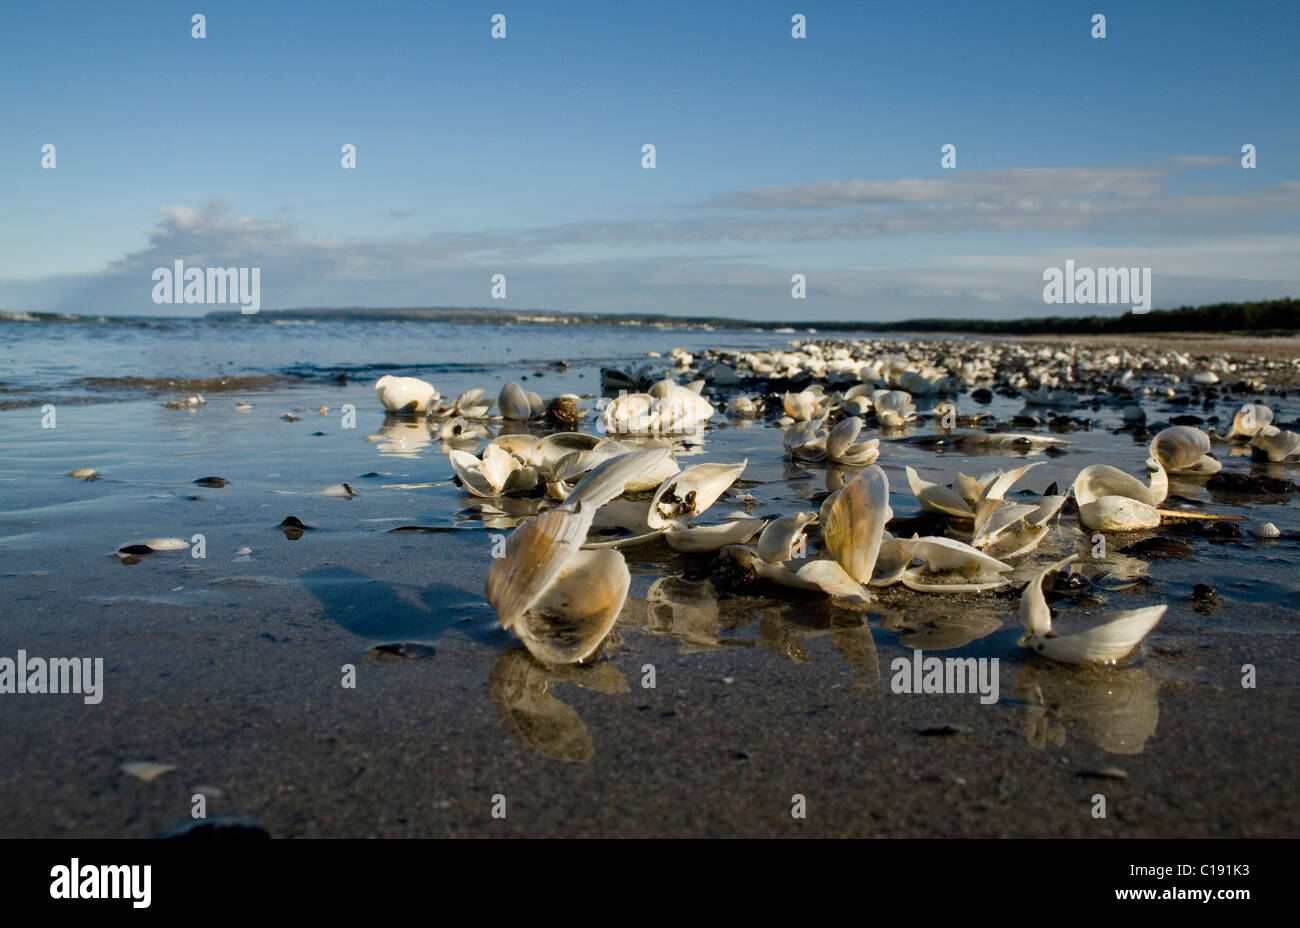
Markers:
point(937, 497)
point(702, 538)
point(843, 447)
point(577, 611)
point(853, 522)
point(1250, 419)
point(535, 554)
point(1034, 613)
point(1113, 501)
point(1104, 639)
point(683, 496)
point(781, 539)
point(949, 565)
point(1275, 445)
point(611, 478)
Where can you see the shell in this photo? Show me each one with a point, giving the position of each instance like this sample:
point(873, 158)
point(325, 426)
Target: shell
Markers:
point(611, 478)
point(841, 447)
point(405, 394)
point(894, 408)
point(1113, 501)
point(513, 403)
point(550, 450)
point(1266, 530)
point(947, 557)
point(780, 540)
point(576, 613)
point(995, 516)
point(1035, 615)
point(891, 563)
point(565, 410)
point(829, 577)
point(801, 406)
point(1249, 420)
point(1276, 445)
point(683, 496)
point(535, 553)
point(1104, 639)
point(853, 522)
point(1181, 449)
point(701, 538)
point(936, 497)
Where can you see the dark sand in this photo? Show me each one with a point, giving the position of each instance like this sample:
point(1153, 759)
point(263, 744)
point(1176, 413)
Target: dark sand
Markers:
point(230, 670)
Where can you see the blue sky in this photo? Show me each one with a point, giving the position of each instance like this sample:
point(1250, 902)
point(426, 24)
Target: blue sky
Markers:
point(775, 156)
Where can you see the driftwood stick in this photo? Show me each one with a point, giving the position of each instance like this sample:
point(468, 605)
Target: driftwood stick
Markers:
point(1181, 514)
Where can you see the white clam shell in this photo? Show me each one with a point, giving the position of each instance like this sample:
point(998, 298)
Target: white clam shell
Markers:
point(780, 538)
point(937, 497)
point(952, 566)
point(1249, 420)
point(514, 403)
point(405, 394)
point(702, 538)
point(683, 496)
point(1104, 639)
point(853, 522)
point(1181, 449)
point(1034, 613)
point(535, 553)
point(611, 478)
point(1118, 514)
point(1278, 446)
point(843, 447)
point(577, 611)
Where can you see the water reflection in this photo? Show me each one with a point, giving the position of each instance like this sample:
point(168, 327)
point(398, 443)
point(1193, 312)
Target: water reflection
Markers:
point(1113, 707)
point(924, 631)
point(522, 692)
point(401, 437)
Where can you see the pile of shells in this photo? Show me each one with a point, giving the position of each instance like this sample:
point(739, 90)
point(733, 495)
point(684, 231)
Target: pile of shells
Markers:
point(562, 580)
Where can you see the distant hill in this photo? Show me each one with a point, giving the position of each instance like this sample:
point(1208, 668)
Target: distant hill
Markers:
point(1280, 316)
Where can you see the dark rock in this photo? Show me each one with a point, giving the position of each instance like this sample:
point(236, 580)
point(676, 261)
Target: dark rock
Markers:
point(212, 482)
point(1157, 547)
point(293, 527)
point(411, 649)
point(1258, 484)
point(982, 395)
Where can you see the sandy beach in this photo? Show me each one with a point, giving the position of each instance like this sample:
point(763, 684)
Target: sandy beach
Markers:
point(228, 669)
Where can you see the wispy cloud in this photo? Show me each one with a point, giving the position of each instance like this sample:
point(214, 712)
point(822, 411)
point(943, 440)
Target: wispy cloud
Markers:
point(737, 257)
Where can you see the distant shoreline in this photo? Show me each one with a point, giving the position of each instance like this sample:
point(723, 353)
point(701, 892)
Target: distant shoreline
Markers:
point(1265, 318)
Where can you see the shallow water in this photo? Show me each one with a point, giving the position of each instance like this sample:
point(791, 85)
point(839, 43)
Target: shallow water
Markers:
point(348, 583)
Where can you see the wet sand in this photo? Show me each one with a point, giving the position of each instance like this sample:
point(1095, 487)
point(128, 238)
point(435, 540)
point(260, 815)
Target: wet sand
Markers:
point(230, 669)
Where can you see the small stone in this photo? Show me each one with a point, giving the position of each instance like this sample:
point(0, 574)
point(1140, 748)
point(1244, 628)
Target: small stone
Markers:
point(146, 770)
point(410, 649)
point(939, 729)
point(216, 482)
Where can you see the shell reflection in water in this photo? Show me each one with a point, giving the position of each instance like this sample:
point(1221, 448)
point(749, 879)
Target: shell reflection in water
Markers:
point(521, 690)
point(1116, 708)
